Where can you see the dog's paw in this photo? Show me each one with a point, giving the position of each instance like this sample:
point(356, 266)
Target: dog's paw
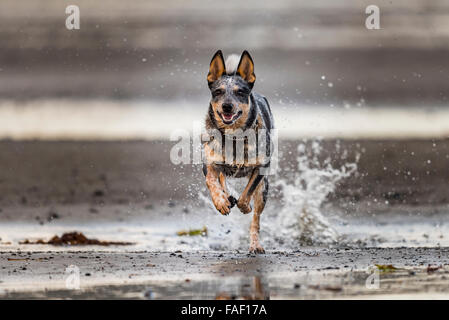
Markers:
point(244, 206)
point(222, 204)
point(256, 248)
point(232, 200)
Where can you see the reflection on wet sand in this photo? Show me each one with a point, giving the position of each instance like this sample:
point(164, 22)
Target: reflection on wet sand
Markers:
point(258, 290)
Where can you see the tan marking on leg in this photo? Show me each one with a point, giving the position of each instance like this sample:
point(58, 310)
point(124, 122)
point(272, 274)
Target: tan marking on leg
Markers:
point(219, 196)
point(222, 179)
point(245, 198)
point(259, 205)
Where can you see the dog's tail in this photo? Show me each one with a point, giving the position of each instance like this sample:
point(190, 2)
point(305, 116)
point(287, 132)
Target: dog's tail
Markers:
point(232, 62)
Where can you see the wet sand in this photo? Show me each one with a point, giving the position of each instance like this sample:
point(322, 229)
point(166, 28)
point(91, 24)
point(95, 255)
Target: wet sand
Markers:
point(307, 273)
point(42, 174)
point(126, 191)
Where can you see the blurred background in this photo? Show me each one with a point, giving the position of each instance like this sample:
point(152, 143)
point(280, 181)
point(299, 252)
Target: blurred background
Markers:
point(152, 55)
point(153, 50)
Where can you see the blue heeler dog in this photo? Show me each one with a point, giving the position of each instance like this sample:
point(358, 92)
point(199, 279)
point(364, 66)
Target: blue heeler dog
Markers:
point(233, 109)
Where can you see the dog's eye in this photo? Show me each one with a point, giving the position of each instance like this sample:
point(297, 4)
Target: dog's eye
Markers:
point(241, 92)
point(217, 92)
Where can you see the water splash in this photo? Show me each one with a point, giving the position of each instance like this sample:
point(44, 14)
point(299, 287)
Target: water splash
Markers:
point(301, 218)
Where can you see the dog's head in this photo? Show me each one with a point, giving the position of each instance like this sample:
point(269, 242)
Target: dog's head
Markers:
point(231, 83)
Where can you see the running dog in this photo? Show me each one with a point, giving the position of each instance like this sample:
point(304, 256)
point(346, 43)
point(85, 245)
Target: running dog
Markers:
point(234, 108)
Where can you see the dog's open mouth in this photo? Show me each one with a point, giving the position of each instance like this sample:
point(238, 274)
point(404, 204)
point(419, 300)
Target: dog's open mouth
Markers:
point(229, 118)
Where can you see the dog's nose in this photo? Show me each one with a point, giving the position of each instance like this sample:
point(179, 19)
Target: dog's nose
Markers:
point(227, 107)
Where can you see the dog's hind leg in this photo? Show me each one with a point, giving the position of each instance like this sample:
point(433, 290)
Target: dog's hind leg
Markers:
point(260, 198)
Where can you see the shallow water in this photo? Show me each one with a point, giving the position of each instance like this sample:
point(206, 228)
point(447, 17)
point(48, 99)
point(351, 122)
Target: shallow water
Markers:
point(308, 273)
point(159, 233)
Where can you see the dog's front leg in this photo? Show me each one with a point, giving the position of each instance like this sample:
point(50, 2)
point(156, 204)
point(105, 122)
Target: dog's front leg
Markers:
point(222, 179)
point(219, 196)
point(245, 198)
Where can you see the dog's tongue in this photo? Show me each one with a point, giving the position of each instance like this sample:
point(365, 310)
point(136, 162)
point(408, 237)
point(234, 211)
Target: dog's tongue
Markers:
point(228, 117)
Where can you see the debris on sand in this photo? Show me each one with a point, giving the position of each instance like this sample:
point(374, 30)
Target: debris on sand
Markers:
point(431, 269)
point(224, 296)
point(75, 239)
point(52, 215)
point(5, 242)
point(193, 232)
point(386, 267)
point(328, 288)
point(27, 259)
point(39, 241)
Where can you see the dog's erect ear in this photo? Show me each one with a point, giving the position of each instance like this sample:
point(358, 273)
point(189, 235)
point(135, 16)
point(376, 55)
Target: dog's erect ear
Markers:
point(246, 68)
point(217, 67)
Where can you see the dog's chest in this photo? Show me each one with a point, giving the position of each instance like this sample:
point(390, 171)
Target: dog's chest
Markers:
point(232, 155)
